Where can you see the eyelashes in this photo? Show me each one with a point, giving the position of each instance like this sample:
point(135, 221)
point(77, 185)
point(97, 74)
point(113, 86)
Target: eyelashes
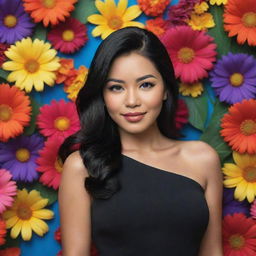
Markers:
point(117, 88)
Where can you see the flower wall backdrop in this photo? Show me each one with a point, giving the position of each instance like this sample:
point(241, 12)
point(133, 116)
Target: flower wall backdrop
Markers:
point(46, 47)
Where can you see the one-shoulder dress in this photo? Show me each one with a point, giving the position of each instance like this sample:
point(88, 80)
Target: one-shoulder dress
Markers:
point(155, 213)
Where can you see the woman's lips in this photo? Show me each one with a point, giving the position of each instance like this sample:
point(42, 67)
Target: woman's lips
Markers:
point(134, 117)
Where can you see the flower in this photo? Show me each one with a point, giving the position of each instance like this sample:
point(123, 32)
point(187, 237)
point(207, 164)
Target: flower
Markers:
point(241, 175)
point(8, 190)
point(192, 52)
point(50, 164)
point(2, 232)
point(18, 156)
point(200, 8)
point(15, 22)
point(31, 68)
point(239, 235)
point(181, 117)
point(57, 235)
point(14, 111)
point(49, 11)
point(201, 21)
point(68, 37)
point(153, 8)
point(12, 251)
point(240, 19)
point(218, 2)
point(239, 126)
point(27, 213)
point(234, 77)
point(158, 26)
point(113, 17)
point(253, 210)
point(194, 89)
point(3, 48)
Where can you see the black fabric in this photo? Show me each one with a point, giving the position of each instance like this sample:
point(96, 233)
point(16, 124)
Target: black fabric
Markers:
point(156, 213)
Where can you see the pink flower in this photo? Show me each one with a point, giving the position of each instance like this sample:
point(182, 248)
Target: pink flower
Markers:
point(192, 52)
point(8, 190)
point(253, 210)
point(181, 117)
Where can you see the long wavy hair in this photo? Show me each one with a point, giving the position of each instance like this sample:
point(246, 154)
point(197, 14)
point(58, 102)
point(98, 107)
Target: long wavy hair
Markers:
point(98, 139)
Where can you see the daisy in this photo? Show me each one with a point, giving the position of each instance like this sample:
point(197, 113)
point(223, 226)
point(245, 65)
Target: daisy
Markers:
point(240, 20)
point(239, 235)
point(234, 77)
point(12, 251)
point(2, 231)
point(153, 8)
point(239, 127)
point(59, 119)
point(8, 190)
point(26, 215)
point(15, 22)
point(242, 176)
point(49, 11)
point(15, 111)
point(68, 37)
point(19, 155)
point(157, 26)
point(194, 89)
point(192, 52)
point(113, 17)
point(181, 117)
point(31, 68)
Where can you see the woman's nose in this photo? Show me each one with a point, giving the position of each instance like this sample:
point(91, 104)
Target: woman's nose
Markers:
point(132, 98)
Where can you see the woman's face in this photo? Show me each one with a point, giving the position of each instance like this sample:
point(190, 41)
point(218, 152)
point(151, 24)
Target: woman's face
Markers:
point(134, 93)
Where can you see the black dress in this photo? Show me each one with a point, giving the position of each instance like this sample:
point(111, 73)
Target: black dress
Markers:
point(156, 213)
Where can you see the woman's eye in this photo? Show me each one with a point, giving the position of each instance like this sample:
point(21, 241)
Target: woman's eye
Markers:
point(115, 88)
point(147, 85)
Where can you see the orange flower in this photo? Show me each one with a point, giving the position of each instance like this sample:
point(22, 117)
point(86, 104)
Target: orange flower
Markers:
point(49, 11)
point(239, 127)
point(240, 20)
point(2, 231)
point(12, 251)
point(157, 26)
point(153, 7)
point(14, 111)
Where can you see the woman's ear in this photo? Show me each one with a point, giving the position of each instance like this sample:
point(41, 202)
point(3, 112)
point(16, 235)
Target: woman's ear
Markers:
point(165, 95)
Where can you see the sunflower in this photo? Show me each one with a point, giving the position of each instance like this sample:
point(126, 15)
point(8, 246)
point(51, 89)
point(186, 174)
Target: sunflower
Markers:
point(32, 67)
point(26, 214)
point(240, 20)
point(194, 89)
point(239, 126)
point(14, 111)
point(113, 17)
point(49, 11)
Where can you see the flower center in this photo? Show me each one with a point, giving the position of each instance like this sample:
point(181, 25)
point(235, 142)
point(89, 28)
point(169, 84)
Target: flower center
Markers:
point(62, 123)
point(236, 79)
point(250, 174)
point(24, 212)
point(236, 241)
point(115, 23)
point(22, 155)
point(68, 35)
point(5, 113)
point(248, 127)
point(249, 19)
point(186, 55)
point(58, 164)
point(31, 66)
point(49, 3)
point(10, 21)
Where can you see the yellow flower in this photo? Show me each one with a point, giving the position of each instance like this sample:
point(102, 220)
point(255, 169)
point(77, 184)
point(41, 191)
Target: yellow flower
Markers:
point(26, 213)
point(201, 8)
point(241, 175)
point(218, 2)
point(193, 90)
point(113, 17)
point(201, 22)
point(32, 64)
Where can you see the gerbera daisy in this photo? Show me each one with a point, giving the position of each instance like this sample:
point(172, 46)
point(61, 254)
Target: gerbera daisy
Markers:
point(193, 90)
point(113, 17)
point(239, 126)
point(31, 68)
point(8, 190)
point(157, 26)
point(27, 213)
point(50, 164)
point(218, 2)
point(242, 176)
point(234, 78)
point(13, 251)
point(2, 231)
point(201, 21)
point(153, 8)
point(3, 48)
point(253, 210)
point(239, 235)
point(14, 111)
point(59, 119)
point(192, 52)
point(19, 155)
point(68, 37)
point(240, 20)
point(181, 117)
point(49, 11)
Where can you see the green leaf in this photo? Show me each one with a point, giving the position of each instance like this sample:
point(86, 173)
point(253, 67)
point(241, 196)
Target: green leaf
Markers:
point(3, 74)
point(198, 108)
point(39, 32)
point(83, 9)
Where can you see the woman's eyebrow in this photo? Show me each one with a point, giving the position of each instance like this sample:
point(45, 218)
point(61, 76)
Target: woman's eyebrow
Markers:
point(137, 80)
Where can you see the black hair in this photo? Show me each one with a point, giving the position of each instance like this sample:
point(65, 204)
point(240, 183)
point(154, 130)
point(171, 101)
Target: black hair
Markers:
point(98, 139)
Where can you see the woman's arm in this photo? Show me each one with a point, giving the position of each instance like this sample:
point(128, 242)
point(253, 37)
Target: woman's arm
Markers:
point(74, 208)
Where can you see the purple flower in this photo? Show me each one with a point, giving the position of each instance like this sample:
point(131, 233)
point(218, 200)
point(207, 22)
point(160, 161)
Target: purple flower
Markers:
point(18, 156)
point(15, 23)
point(234, 77)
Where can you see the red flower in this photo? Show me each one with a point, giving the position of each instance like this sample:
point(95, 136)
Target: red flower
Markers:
point(181, 117)
point(57, 235)
point(13, 251)
point(3, 48)
point(158, 26)
point(153, 8)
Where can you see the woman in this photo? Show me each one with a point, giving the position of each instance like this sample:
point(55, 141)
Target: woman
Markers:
point(132, 188)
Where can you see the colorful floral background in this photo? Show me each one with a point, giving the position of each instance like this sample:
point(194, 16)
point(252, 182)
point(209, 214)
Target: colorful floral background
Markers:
point(46, 47)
